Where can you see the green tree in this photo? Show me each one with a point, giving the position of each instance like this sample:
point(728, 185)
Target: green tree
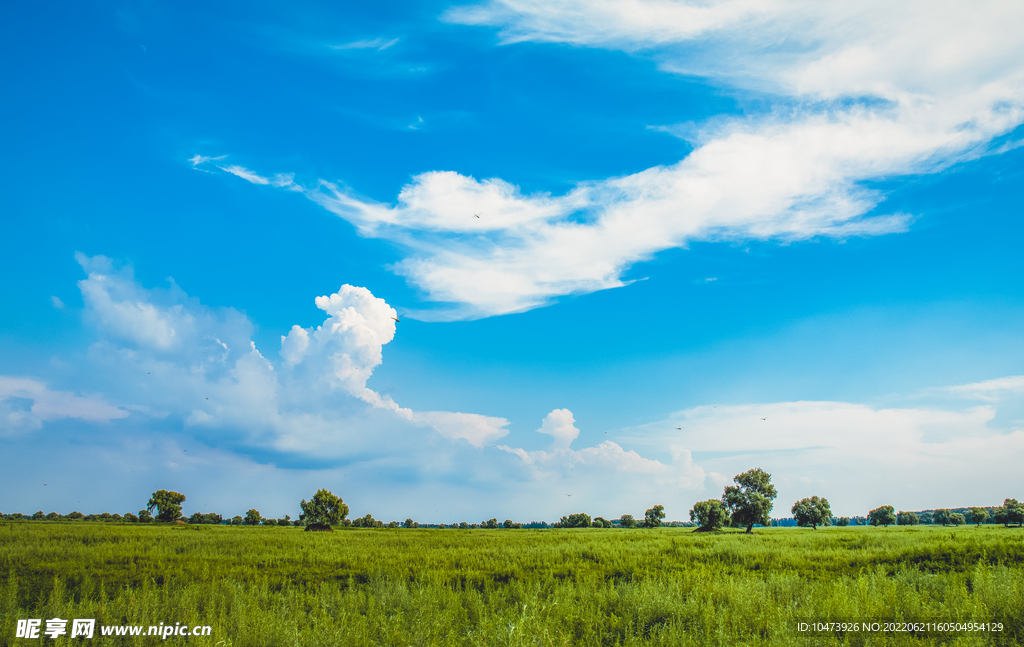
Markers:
point(750, 500)
point(463, 525)
point(813, 511)
point(145, 517)
point(653, 516)
point(577, 520)
point(843, 521)
point(237, 520)
point(907, 519)
point(490, 523)
point(941, 516)
point(252, 517)
point(129, 517)
point(601, 522)
point(511, 524)
point(957, 519)
point(167, 504)
point(324, 509)
point(709, 515)
point(627, 521)
point(1013, 512)
point(979, 515)
point(882, 516)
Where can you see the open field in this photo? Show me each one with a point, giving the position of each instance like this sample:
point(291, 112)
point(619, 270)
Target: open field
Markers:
point(669, 586)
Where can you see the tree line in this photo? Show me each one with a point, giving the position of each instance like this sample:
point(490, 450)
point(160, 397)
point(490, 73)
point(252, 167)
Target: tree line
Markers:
point(745, 504)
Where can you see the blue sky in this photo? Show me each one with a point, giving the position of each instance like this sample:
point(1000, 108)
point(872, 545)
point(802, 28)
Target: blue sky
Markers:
point(710, 237)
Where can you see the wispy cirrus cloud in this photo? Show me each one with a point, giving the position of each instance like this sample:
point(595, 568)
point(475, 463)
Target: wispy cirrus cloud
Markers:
point(378, 44)
point(856, 93)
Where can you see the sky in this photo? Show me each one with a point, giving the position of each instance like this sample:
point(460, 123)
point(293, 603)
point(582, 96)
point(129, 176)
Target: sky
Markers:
point(510, 259)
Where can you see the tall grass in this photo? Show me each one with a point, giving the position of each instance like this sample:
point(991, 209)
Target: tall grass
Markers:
point(280, 586)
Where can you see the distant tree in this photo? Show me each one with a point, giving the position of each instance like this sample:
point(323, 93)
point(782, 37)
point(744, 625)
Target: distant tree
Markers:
point(167, 504)
point(463, 525)
point(979, 516)
point(490, 523)
point(197, 517)
point(324, 508)
point(941, 516)
point(653, 516)
point(473, 526)
point(627, 521)
point(843, 521)
point(882, 516)
point(750, 500)
point(392, 524)
point(441, 526)
point(957, 519)
point(128, 516)
point(144, 516)
point(53, 516)
point(39, 516)
point(511, 524)
point(268, 522)
point(408, 523)
point(709, 515)
point(252, 517)
point(577, 520)
point(1010, 512)
point(907, 519)
point(237, 520)
point(813, 511)
point(74, 516)
point(601, 522)
point(287, 521)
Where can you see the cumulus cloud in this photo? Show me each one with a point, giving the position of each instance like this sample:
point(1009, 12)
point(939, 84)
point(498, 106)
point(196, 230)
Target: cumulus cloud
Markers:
point(209, 370)
point(560, 425)
point(25, 404)
point(860, 92)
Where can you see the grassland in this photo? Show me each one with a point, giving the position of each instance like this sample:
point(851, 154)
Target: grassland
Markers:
point(670, 586)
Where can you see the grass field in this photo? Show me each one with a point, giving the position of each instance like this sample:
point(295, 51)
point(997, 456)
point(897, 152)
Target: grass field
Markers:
point(669, 586)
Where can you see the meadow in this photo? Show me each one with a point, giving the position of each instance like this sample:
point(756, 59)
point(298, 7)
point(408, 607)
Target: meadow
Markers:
point(668, 586)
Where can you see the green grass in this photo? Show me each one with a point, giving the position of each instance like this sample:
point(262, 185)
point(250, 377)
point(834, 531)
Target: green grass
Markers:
point(671, 586)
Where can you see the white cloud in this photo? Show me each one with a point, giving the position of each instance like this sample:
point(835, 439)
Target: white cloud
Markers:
point(209, 370)
point(57, 303)
point(990, 389)
point(378, 44)
point(863, 91)
point(856, 455)
point(25, 404)
point(560, 425)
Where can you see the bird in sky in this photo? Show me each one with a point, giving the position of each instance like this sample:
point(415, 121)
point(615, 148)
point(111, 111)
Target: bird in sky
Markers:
point(397, 319)
point(678, 427)
point(764, 418)
point(476, 215)
point(207, 398)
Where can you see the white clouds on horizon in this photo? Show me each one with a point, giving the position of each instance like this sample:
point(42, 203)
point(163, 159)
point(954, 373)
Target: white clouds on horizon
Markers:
point(860, 94)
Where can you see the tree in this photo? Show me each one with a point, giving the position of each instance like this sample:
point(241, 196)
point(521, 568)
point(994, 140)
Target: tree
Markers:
point(324, 509)
point(167, 504)
point(601, 522)
point(577, 520)
point(287, 521)
point(941, 516)
point(145, 517)
point(907, 519)
point(882, 516)
point(1012, 512)
point(490, 523)
point(237, 520)
point(709, 515)
point(129, 517)
point(409, 523)
point(814, 511)
point(627, 521)
point(252, 517)
point(843, 521)
point(653, 516)
point(463, 525)
point(979, 515)
point(750, 500)
point(957, 519)
point(511, 524)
